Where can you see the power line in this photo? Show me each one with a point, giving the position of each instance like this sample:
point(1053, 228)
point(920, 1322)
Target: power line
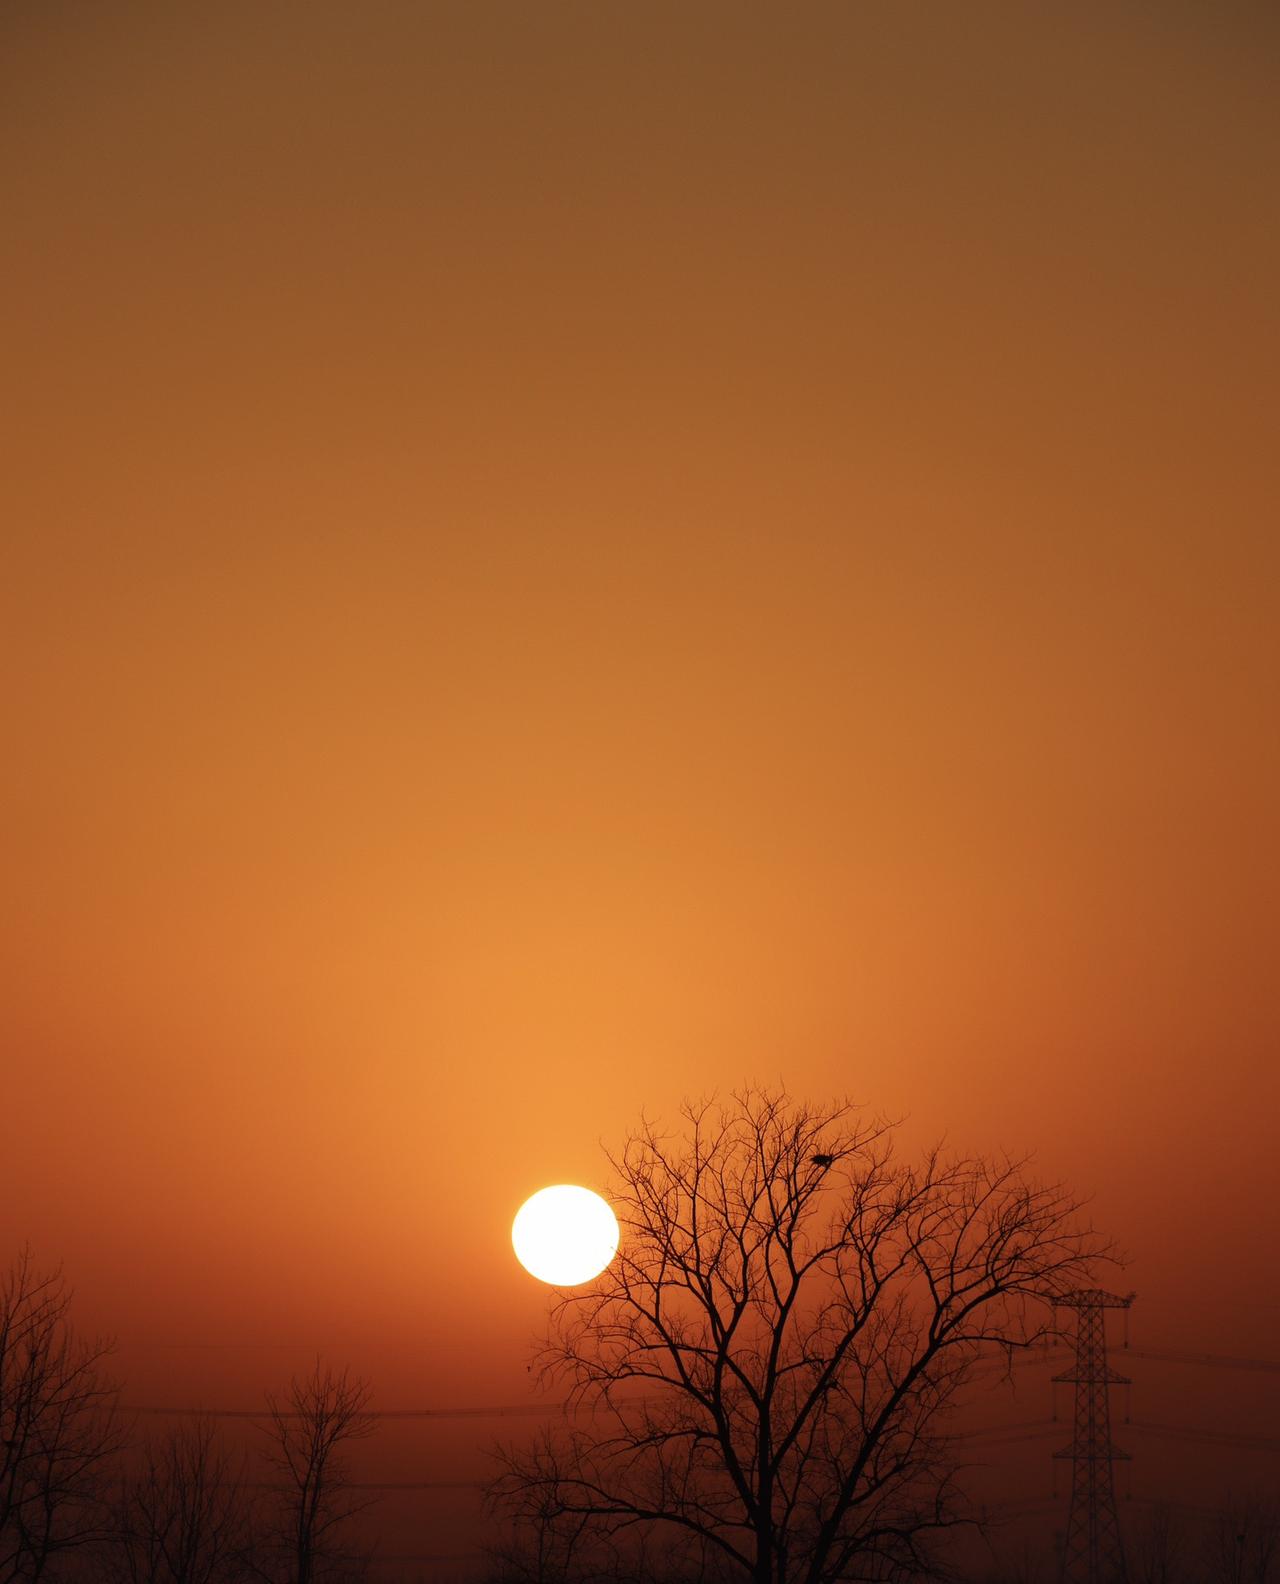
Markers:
point(375, 1485)
point(1182, 1506)
point(1210, 1360)
point(498, 1411)
point(1010, 1431)
point(426, 1556)
point(1254, 1443)
point(1018, 1507)
point(1049, 1429)
point(540, 1410)
point(414, 1485)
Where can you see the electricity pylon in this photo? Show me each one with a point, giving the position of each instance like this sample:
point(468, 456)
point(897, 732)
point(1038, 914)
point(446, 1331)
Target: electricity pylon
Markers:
point(1093, 1552)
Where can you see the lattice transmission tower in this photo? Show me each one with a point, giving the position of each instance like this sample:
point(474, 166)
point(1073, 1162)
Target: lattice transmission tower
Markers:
point(1093, 1552)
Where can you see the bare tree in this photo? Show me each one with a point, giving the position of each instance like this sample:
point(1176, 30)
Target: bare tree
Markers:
point(771, 1360)
point(1158, 1547)
point(1020, 1562)
point(58, 1426)
point(307, 1431)
point(184, 1515)
point(1244, 1542)
point(549, 1545)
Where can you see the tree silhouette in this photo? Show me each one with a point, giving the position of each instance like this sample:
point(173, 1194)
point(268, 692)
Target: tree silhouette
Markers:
point(184, 1515)
point(1157, 1546)
point(1244, 1541)
point(307, 1431)
point(770, 1361)
point(58, 1426)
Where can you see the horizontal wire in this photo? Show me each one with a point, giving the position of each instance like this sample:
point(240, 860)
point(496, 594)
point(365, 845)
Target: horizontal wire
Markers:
point(357, 1485)
point(499, 1411)
point(1254, 1443)
point(426, 1556)
point(1026, 1435)
point(1209, 1360)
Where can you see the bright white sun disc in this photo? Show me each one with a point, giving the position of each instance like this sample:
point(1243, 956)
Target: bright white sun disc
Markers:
point(564, 1235)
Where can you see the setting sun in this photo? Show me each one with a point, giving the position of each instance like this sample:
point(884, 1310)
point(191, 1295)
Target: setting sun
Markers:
point(564, 1235)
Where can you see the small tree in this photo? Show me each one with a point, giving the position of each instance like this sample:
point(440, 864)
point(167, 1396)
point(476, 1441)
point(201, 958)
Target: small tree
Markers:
point(58, 1426)
point(771, 1358)
point(183, 1517)
point(307, 1432)
point(1158, 1547)
point(1244, 1541)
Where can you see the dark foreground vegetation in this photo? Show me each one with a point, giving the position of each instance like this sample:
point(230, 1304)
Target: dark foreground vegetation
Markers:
point(765, 1380)
point(83, 1496)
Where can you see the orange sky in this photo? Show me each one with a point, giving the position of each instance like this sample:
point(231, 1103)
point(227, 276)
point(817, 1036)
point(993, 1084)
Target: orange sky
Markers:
point(563, 555)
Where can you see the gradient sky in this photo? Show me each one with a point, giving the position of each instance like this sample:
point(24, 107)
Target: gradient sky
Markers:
point(561, 556)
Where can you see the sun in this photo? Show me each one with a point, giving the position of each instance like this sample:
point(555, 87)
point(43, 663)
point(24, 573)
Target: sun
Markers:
point(564, 1235)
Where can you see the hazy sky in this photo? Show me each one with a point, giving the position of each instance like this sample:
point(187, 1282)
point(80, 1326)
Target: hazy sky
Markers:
point(558, 556)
